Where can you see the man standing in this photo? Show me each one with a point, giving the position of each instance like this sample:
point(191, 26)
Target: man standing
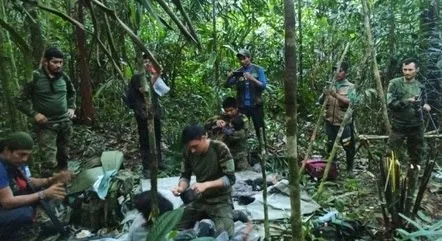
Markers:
point(17, 201)
point(137, 102)
point(405, 99)
point(212, 164)
point(337, 101)
point(250, 81)
point(49, 98)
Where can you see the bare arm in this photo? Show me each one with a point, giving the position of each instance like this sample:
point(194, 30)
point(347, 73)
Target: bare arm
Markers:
point(40, 182)
point(9, 201)
point(341, 98)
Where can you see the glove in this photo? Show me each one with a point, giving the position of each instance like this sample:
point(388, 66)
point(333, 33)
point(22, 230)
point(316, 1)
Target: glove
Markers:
point(71, 113)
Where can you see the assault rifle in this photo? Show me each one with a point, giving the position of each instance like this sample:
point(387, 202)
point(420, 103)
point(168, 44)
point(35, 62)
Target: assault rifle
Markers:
point(46, 207)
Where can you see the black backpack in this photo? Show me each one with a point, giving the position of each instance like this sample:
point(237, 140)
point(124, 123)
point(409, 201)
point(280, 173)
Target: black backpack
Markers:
point(128, 96)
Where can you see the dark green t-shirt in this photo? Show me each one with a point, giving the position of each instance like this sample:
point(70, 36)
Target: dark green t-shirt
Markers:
point(50, 97)
point(215, 163)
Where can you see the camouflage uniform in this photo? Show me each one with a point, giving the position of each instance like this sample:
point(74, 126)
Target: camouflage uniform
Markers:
point(406, 118)
point(215, 204)
point(236, 140)
point(52, 98)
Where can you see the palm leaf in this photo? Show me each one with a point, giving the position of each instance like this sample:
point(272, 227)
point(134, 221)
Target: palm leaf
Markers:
point(164, 225)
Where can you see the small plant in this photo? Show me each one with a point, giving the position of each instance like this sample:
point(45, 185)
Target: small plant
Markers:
point(397, 191)
point(431, 232)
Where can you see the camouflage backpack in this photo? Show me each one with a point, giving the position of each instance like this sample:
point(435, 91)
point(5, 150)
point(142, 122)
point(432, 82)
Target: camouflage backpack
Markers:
point(94, 213)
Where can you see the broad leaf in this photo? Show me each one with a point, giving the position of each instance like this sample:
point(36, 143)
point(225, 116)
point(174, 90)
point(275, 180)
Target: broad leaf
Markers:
point(165, 224)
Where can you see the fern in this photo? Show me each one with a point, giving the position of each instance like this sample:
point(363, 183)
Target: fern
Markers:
point(164, 225)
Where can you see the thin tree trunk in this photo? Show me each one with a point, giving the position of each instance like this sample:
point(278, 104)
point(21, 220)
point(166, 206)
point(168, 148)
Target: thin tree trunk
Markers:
point(380, 89)
point(87, 111)
point(263, 161)
point(290, 82)
point(215, 43)
point(321, 113)
point(300, 53)
point(153, 157)
point(391, 42)
point(37, 41)
point(345, 121)
point(6, 84)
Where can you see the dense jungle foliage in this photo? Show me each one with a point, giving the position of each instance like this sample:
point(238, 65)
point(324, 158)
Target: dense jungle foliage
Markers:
point(195, 43)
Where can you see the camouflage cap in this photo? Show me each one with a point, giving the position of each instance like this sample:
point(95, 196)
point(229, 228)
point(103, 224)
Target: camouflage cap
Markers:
point(243, 52)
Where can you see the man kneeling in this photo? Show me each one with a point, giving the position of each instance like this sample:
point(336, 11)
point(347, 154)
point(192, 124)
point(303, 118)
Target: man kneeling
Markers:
point(212, 164)
point(17, 201)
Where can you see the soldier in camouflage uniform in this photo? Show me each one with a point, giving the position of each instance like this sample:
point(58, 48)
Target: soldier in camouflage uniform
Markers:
point(49, 98)
point(406, 99)
point(212, 164)
point(231, 128)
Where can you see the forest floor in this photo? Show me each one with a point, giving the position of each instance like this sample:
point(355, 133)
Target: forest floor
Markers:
point(354, 196)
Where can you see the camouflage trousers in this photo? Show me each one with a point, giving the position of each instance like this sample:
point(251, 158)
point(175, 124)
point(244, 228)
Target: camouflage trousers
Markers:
point(414, 137)
point(53, 141)
point(220, 214)
point(241, 161)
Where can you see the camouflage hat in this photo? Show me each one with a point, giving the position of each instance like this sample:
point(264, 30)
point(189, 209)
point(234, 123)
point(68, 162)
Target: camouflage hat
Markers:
point(243, 52)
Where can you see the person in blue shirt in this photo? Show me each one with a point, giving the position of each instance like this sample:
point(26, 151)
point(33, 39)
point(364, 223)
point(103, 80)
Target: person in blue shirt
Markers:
point(250, 81)
point(17, 201)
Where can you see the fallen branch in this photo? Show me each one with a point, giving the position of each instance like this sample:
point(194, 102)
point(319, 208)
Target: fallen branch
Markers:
point(383, 137)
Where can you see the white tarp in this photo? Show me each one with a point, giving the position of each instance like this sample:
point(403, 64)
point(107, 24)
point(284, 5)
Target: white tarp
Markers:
point(278, 199)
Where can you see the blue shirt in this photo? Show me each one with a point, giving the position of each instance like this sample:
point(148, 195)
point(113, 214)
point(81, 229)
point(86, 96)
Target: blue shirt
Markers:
point(7, 178)
point(261, 78)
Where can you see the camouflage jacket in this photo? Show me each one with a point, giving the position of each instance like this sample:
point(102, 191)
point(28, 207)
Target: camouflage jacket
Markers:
point(215, 163)
point(405, 113)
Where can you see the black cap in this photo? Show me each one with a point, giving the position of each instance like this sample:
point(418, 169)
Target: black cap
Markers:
point(53, 52)
point(243, 52)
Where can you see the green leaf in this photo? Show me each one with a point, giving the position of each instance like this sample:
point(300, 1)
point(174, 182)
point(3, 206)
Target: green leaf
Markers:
point(204, 239)
point(165, 224)
point(411, 221)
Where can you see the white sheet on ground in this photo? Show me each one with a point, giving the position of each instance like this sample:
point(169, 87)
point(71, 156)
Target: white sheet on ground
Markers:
point(278, 200)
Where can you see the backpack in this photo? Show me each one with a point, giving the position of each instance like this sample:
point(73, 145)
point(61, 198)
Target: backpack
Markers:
point(91, 212)
point(315, 167)
point(128, 96)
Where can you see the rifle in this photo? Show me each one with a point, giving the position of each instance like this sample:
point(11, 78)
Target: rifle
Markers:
point(46, 207)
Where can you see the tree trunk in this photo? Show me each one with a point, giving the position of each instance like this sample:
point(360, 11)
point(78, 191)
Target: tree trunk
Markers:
point(6, 84)
point(153, 157)
point(391, 42)
point(345, 121)
point(321, 113)
point(290, 80)
point(37, 41)
point(87, 111)
point(429, 42)
point(380, 89)
point(215, 43)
